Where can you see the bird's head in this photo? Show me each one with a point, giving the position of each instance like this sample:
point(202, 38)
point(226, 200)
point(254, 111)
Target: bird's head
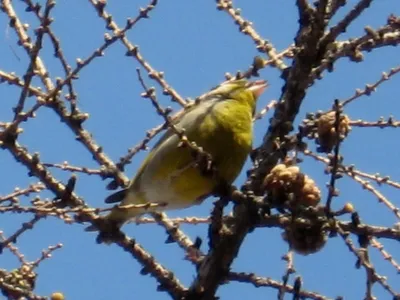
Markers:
point(241, 90)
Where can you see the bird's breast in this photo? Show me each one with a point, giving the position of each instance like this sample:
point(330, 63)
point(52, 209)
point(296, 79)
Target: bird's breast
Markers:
point(226, 133)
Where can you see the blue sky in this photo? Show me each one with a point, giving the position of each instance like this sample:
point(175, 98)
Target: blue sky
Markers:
point(195, 45)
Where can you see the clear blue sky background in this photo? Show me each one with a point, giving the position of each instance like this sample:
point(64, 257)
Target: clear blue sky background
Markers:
point(194, 44)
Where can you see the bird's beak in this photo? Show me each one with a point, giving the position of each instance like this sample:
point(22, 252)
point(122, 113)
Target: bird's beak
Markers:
point(257, 87)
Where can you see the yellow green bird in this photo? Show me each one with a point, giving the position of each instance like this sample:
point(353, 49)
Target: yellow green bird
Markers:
point(221, 123)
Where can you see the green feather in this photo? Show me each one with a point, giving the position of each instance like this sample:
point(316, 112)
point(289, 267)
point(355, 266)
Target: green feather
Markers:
point(221, 123)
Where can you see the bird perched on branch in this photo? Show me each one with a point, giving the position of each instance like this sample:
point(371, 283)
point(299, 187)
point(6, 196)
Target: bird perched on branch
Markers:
point(184, 169)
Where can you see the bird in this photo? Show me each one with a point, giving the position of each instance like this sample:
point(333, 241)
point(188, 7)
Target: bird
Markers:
point(172, 176)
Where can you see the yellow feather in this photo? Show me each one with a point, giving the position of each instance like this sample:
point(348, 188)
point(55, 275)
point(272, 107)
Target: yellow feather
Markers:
point(222, 125)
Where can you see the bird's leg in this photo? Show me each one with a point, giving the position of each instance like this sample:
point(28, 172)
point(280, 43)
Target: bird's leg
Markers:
point(204, 163)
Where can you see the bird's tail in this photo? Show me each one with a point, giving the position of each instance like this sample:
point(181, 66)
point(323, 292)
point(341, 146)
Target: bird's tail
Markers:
point(113, 221)
point(109, 226)
point(115, 218)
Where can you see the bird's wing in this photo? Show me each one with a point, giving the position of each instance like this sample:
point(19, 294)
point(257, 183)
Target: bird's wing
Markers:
point(189, 116)
point(193, 114)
